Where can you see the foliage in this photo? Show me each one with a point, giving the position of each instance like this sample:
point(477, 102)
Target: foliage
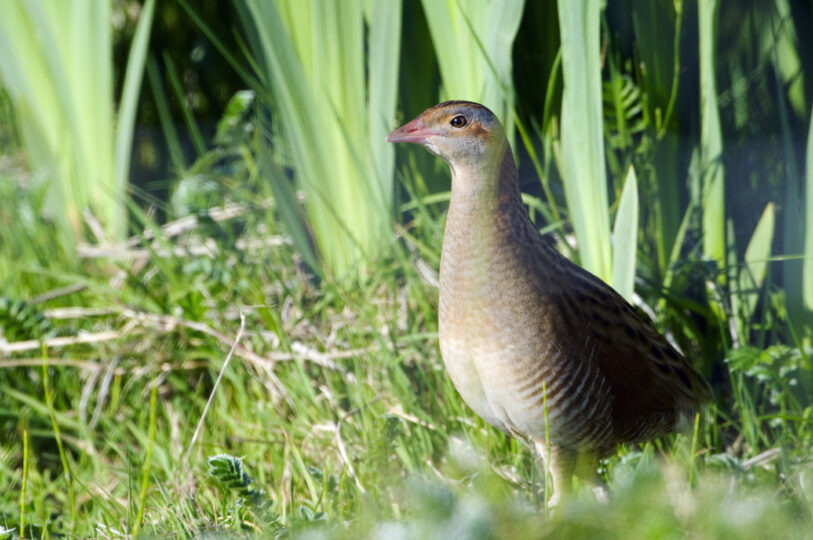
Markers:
point(57, 66)
point(582, 160)
point(335, 417)
point(711, 166)
point(332, 103)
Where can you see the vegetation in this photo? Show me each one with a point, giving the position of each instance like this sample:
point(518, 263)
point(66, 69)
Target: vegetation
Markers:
point(260, 357)
point(58, 70)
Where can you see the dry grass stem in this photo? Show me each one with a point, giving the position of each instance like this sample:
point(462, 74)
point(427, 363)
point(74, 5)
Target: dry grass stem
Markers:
point(214, 389)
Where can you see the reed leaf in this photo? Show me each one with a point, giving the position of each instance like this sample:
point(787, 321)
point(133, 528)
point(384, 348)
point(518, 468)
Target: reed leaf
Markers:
point(582, 144)
point(384, 20)
point(794, 233)
point(711, 142)
point(788, 62)
point(625, 237)
point(136, 61)
point(333, 103)
point(807, 272)
point(57, 66)
point(752, 275)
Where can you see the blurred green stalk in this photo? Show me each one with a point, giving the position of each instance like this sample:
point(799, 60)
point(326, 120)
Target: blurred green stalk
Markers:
point(807, 268)
point(334, 104)
point(711, 143)
point(57, 66)
point(625, 237)
point(582, 150)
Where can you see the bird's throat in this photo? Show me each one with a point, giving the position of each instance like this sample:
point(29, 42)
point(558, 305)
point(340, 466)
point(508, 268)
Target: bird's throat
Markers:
point(485, 213)
point(485, 200)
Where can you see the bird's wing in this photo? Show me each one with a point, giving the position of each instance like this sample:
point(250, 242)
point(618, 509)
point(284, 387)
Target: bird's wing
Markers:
point(648, 377)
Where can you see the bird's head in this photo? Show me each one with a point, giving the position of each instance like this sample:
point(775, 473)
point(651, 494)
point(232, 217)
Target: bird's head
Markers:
point(460, 132)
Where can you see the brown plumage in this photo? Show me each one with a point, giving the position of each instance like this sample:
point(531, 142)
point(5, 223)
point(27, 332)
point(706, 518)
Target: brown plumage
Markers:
point(521, 326)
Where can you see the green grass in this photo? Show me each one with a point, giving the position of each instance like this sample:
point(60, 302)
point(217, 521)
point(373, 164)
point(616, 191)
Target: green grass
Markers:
point(338, 406)
point(323, 404)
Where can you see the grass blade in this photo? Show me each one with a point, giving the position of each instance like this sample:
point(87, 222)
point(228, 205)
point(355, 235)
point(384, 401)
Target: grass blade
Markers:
point(189, 119)
point(290, 211)
point(164, 116)
point(145, 467)
point(582, 149)
point(625, 237)
point(711, 143)
point(748, 285)
point(312, 58)
point(807, 272)
point(129, 101)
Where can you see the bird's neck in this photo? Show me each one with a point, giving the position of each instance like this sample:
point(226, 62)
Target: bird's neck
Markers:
point(485, 200)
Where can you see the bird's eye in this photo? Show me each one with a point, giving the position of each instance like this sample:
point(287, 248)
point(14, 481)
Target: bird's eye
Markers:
point(459, 121)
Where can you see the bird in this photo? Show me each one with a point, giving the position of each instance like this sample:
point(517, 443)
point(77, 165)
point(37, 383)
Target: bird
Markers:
point(537, 346)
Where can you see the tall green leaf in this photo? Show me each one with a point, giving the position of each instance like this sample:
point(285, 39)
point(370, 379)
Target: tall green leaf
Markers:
point(333, 104)
point(748, 285)
point(788, 62)
point(625, 237)
point(136, 62)
point(711, 142)
point(57, 66)
point(794, 233)
point(384, 20)
point(582, 151)
point(807, 272)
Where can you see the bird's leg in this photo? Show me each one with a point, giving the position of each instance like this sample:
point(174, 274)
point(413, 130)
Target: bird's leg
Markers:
point(561, 462)
point(587, 471)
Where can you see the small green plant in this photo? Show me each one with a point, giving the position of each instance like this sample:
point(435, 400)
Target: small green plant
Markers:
point(19, 321)
point(228, 471)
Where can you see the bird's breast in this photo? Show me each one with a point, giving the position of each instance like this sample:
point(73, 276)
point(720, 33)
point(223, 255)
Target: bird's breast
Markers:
point(487, 349)
point(514, 354)
point(468, 344)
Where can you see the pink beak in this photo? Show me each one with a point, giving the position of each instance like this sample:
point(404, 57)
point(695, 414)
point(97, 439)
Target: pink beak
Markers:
point(413, 132)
